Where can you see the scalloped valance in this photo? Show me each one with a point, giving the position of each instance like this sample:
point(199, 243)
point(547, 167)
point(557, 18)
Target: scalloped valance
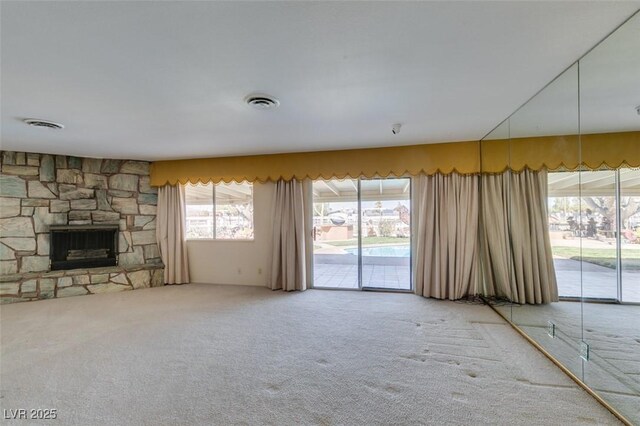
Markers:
point(602, 150)
point(460, 157)
point(610, 150)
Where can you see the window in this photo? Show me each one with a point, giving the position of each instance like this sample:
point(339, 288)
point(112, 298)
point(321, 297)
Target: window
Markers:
point(222, 211)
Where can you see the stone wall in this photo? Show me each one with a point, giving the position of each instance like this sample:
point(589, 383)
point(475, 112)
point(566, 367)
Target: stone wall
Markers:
point(38, 190)
point(77, 282)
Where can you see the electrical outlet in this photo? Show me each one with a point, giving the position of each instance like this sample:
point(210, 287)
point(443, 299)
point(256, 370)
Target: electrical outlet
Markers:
point(551, 329)
point(584, 350)
point(239, 271)
point(259, 271)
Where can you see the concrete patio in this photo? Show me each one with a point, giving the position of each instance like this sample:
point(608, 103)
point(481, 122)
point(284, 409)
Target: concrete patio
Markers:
point(340, 271)
point(597, 281)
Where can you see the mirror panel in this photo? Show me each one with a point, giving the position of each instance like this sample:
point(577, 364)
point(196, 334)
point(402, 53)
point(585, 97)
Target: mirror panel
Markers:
point(630, 234)
point(609, 95)
point(545, 154)
point(563, 153)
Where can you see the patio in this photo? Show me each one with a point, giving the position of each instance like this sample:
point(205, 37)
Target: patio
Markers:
point(597, 281)
point(378, 272)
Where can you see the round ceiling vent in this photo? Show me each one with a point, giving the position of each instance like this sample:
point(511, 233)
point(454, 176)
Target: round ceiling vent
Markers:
point(43, 123)
point(261, 101)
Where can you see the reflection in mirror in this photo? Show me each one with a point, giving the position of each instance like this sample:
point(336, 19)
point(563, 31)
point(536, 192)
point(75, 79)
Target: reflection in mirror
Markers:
point(609, 329)
point(545, 150)
point(609, 96)
point(630, 235)
point(574, 147)
point(598, 221)
point(565, 232)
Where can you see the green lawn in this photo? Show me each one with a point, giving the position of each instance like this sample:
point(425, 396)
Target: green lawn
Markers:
point(602, 257)
point(369, 241)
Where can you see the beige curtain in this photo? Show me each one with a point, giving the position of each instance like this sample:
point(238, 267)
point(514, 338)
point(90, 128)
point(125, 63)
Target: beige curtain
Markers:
point(446, 264)
point(496, 261)
point(517, 257)
point(171, 234)
point(289, 263)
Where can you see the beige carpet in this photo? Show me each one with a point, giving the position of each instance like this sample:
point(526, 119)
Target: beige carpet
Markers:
point(205, 354)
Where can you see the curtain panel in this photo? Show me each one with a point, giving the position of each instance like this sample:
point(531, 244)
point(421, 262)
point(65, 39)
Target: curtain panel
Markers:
point(517, 261)
point(288, 267)
point(446, 260)
point(171, 234)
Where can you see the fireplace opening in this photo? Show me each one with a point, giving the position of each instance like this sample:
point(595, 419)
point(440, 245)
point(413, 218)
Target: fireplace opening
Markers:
point(90, 246)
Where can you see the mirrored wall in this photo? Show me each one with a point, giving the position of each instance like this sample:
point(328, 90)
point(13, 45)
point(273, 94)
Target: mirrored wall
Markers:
point(557, 197)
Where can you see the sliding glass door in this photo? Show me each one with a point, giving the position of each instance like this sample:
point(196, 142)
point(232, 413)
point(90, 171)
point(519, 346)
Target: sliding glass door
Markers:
point(361, 234)
point(386, 233)
point(335, 234)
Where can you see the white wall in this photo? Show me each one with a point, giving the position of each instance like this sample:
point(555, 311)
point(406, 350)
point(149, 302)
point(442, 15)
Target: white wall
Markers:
point(237, 262)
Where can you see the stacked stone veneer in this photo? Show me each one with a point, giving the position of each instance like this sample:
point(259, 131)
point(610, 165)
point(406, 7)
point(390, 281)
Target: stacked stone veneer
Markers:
point(38, 190)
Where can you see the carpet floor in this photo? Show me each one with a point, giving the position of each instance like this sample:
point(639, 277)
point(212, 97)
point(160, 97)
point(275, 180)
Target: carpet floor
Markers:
point(208, 354)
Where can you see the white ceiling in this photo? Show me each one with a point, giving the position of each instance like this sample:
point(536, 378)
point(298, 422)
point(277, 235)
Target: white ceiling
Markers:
point(161, 80)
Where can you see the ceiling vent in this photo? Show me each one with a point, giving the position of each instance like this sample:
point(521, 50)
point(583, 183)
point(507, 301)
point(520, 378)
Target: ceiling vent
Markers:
point(43, 123)
point(261, 101)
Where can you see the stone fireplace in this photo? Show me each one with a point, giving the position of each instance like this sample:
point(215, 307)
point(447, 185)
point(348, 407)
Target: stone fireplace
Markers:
point(71, 226)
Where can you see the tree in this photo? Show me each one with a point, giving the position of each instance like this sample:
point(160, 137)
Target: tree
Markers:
point(403, 212)
point(605, 206)
point(386, 227)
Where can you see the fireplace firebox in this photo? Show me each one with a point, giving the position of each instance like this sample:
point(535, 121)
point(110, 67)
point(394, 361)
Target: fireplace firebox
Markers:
point(79, 246)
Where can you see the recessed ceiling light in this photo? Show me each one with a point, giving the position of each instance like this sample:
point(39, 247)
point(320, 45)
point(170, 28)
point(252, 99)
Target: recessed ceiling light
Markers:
point(262, 101)
point(43, 123)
